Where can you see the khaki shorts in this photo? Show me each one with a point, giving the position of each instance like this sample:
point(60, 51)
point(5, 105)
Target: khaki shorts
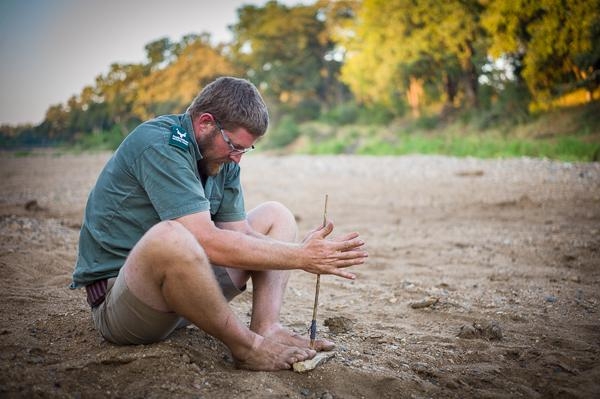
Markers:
point(124, 319)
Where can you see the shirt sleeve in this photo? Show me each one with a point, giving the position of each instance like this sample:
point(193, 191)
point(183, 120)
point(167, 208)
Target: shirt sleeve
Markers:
point(167, 174)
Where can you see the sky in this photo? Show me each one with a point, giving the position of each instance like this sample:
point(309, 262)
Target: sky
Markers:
point(51, 49)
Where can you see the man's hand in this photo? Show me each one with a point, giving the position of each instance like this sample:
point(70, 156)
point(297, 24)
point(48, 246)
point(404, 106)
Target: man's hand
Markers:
point(331, 256)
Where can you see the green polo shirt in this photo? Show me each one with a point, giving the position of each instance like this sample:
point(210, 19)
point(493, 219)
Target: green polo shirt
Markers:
point(153, 176)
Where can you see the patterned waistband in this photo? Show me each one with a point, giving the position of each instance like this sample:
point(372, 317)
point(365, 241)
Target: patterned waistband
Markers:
point(96, 292)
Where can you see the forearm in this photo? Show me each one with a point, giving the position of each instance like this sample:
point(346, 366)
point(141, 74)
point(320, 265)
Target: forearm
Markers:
point(251, 250)
point(238, 245)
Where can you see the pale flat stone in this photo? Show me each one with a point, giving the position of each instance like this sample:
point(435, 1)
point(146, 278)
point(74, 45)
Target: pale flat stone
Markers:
point(320, 357)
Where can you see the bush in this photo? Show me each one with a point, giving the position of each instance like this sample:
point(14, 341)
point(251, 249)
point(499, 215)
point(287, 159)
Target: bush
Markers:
point(342, 114)
point(283, 133)
point(307, 110)
point(103, 140)
point(377, 114)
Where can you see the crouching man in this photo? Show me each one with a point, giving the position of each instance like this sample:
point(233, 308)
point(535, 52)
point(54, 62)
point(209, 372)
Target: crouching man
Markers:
point(166, 239)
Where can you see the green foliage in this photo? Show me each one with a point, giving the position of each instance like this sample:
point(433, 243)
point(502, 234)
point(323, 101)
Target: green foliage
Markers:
point(401, 45)
point(427, 122)
point(307, 110)
point(106, 140)
point(375, 114)
point(283, 133)
point(342, 114)
point(332, 146)
point(504, 107)
point(172, 88)
point(158, 51)
point(22, 153)
point(558, 42)
point(353, 64)
point(481, 146)
point(283, 51)
point(578, 143)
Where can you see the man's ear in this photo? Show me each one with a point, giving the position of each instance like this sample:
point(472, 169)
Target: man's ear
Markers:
point(206, 118)
point(203, 123)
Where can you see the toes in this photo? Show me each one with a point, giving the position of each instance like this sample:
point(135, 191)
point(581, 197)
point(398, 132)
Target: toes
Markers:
point(325, 345)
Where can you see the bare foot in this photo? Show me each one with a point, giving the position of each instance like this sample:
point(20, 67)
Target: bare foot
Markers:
point(284, 336)
point(268, 355)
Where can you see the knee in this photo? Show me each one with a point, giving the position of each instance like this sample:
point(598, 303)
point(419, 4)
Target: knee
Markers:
point(274, 219)
point(280, 213)
point(172, 240)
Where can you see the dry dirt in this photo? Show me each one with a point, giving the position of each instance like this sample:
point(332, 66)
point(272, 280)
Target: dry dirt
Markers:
point(482, 282)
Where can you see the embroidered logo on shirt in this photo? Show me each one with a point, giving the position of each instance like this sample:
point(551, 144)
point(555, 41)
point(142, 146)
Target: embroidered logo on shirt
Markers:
point(179, 138)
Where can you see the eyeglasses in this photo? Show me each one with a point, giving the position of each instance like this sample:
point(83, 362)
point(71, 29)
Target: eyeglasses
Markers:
point(233, 150)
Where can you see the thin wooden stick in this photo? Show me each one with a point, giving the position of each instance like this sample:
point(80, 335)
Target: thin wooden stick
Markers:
point(313, 324)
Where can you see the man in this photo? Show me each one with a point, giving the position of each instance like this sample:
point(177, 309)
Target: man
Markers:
point(165, 238)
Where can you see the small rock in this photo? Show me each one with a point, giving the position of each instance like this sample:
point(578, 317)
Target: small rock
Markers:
point(467, 331)
point(488, 330)
point(492, 331)
point(425, 303)
point(339, 324)
point(32, 206)
point(311, 364)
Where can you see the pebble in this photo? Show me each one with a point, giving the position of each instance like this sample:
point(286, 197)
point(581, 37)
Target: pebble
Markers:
point(424, 303)
point(487, 330)
point(339, 324)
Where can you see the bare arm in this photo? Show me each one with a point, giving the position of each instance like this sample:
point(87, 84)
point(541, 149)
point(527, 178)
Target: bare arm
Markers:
point(238, 245)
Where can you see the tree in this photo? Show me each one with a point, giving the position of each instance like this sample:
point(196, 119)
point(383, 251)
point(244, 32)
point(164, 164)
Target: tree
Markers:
point(337, 17)
point(159, 52)
point(557, 41)
point(55, 123)
point(117, 90)
point(406, 47)
point(283, 51)
point(172, 88)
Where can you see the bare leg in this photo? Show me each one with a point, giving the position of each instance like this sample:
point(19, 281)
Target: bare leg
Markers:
point(276, 221)
point(169, 271)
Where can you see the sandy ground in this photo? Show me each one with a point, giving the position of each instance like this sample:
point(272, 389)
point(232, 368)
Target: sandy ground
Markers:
point(482, 282)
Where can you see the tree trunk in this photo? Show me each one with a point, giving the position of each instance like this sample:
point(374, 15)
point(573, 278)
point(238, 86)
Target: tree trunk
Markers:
point(469, 78)
point(414, 95)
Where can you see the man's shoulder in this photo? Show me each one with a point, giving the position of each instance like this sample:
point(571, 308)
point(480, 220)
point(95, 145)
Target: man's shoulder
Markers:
point(161, 133)
point(159, 125)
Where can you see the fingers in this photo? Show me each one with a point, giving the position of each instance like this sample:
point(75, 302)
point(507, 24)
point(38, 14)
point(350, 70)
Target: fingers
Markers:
point(348, 245)
point(331, 256)
point(344, 274)
point(320, 232)
point(350, 256)
point(324, 231)
point(346, 237)
point(341, 260)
